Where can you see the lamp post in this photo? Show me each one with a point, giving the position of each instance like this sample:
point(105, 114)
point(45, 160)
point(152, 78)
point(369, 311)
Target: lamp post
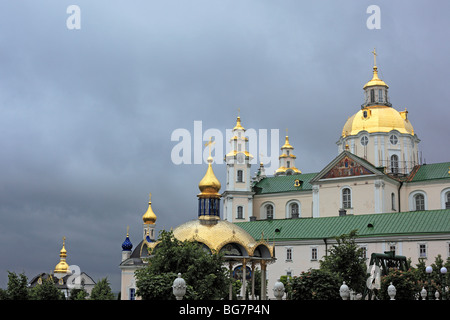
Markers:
point(428, 270)
point(444, 282)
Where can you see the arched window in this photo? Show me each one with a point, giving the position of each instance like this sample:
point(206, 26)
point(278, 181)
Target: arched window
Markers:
point(447, 201)
point(419, 202)
point(346, 198)
point(294, 209)
point(394, 163)
point(269, 211)
point(240, 212)
point(239, 176)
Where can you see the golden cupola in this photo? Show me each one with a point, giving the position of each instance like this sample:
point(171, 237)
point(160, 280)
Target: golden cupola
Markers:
point(209, 196)
point(376, 114)
point(209, 185)
point(62, 268)
point(287, 160)
point(149, 216)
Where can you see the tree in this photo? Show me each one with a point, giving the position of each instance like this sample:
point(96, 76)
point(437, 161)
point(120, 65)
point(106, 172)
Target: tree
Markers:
point(346, 259)
point(205, 276)
point(405, 283)
point(78, 294)
point(102, 291)
point(316, 284)
point(47, 290)
point(17, 287)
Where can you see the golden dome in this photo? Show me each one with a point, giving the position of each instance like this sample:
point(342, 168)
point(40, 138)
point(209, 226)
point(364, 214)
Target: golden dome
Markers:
point(287, 145)
point(215, 236)
point(149, 216)
point(375, 80)
point(62, 266)
point(209, 185)
point(378, 118)
point(238, 124)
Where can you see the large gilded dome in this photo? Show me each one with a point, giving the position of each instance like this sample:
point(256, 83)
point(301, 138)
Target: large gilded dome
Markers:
point(378, 119)
point(215, 236)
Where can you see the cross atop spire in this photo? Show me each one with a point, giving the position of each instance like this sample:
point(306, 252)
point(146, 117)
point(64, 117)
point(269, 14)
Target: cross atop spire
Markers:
point(374, 57)
point(209, 143)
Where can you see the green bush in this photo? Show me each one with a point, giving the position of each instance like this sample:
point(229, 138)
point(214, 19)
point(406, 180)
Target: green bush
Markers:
point(315, 284)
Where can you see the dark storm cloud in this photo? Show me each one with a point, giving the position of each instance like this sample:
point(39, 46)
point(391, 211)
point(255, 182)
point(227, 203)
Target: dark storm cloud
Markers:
point(86, 116)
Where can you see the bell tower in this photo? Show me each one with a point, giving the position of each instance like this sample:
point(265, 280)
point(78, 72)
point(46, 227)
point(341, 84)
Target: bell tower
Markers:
point(238, 195)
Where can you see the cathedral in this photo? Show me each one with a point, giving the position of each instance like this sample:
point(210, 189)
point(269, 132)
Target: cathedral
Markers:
point(376, 185)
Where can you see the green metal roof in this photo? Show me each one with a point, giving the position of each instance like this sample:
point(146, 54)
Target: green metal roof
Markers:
point(431, 172)
point(284, 183)
point(368, 225)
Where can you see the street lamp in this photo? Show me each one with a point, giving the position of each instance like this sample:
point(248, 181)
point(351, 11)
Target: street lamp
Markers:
point(428, 270)
point(444, 282)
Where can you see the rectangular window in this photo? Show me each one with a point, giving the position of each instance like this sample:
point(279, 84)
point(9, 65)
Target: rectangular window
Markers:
point(240, 212)
point(289, 254)
point(313, 254)
point(132, 293)
point(380, 95)
point(364, 251)
point(422, 250)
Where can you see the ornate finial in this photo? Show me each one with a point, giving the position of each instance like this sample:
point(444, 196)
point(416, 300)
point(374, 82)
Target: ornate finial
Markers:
point(239, 112)
point(128, 230)
point(286, 131)
point(374, 57)
point(150, 197)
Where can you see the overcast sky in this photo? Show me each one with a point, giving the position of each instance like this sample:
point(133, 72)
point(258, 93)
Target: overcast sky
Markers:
point(87, 115)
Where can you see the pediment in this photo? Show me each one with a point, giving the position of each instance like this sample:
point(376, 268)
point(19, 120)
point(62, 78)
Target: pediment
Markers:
point(347, 165)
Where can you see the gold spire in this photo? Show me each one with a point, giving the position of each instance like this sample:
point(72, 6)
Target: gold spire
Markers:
point(238, 122)
point(287, 145)
point(209, 185)
point(149, 217)
point(62, 266)
point(375, 80)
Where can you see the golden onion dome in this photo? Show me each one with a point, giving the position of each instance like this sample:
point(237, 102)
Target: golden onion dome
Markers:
point(62, 266)
point(378, 118)
point(287, 145)
point(238, 124)
point(209, 185)
point(149, 216)
point(214, 236)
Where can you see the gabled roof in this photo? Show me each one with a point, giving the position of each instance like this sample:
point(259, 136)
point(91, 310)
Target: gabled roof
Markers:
point(284, 183)
point(368, 225)
point(361, 163)
point(432, 171)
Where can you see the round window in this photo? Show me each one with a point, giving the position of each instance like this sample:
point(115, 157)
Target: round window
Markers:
point(364, 141)
point(393, 139)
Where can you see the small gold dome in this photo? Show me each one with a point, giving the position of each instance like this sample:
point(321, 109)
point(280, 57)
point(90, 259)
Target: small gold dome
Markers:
point(149, 216)
point(209, 185)
point(287, 145)
point(375, 80)
point(238, 124)
point(62, 266)
point(378, 119)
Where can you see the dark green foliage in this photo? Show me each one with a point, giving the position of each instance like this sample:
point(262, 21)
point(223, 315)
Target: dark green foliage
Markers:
point(316, 284)
point(102, 291)
point(346, 260)
point(205, 276)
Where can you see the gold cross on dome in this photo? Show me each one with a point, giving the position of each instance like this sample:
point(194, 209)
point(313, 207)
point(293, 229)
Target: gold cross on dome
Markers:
point(374, 57)
point(209, 144)
point(150, 197)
